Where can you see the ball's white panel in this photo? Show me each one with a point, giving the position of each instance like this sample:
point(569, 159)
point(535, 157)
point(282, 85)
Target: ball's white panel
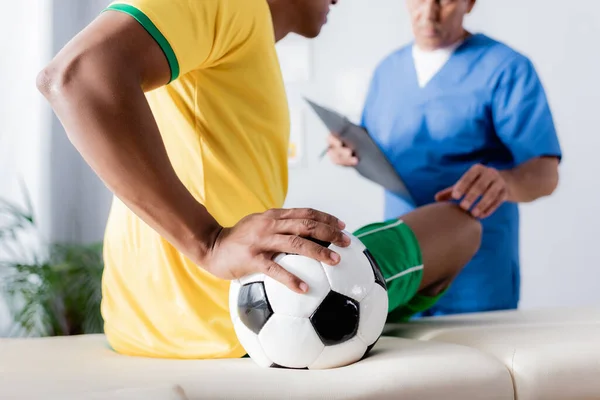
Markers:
point(279, 256)
point(340, 355)
point(355, 242)
point(258, 277)
point(290, 341)
point(234, 291)
point(286, 302)
point(353, 275)
point(373, 313)
point(251, 344)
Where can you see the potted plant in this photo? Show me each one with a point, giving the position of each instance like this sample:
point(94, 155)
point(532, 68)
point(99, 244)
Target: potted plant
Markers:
point(50, 289)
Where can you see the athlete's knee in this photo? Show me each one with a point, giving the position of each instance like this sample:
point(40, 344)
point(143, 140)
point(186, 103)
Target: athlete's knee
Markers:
point(472, 234)
point(467, 241)
point(437, 288)
point(468, 236)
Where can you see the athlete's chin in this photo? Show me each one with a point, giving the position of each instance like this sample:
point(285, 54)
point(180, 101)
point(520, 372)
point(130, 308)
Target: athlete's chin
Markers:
point(311, 32)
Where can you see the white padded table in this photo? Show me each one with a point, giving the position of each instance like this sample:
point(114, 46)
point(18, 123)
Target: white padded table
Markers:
point(551, 355)
point(426, 328)
point(83, 367)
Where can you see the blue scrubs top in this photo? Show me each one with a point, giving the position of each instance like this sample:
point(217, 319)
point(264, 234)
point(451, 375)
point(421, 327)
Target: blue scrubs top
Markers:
point(486, 105)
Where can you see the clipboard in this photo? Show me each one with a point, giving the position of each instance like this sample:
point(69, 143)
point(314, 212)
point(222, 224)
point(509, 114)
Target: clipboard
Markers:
point(372, 163)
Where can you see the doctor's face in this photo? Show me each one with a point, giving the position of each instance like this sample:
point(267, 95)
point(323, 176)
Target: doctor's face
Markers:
point(438, 23)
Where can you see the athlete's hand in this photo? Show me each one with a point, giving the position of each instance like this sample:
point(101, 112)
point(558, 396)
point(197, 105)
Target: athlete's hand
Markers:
point(479, 181)
point(339, 153)
point(249, 246)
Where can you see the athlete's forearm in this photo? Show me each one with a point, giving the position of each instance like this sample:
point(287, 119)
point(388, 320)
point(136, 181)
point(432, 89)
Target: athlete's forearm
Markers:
point(107, 118)
point(532, 180)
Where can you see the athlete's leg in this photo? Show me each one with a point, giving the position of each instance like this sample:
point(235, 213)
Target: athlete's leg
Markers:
point(448, 237)
point(420, 254)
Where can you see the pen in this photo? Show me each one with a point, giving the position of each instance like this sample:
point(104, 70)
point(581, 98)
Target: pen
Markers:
point(324, 152)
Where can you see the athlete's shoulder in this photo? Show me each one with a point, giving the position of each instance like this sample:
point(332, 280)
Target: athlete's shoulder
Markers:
point(248, 8)
point(200, 9)
point(196, 34)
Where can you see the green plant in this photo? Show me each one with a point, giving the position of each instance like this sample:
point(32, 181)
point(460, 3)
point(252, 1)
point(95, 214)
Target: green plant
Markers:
point(50, 290)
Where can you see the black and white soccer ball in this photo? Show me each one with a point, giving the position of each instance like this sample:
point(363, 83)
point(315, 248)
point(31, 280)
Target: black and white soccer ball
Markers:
point(335, 324)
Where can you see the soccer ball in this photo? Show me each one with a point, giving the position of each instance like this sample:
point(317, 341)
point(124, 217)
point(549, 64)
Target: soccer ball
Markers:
point(336, 323)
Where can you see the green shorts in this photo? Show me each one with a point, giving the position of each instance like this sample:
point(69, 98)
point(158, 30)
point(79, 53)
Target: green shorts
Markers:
point(396, 250)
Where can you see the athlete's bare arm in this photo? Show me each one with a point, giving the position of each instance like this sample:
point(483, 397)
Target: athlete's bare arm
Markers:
point(96, 87)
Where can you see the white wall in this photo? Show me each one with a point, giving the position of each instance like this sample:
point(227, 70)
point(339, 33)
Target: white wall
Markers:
point(23, 117)
point(24, 121)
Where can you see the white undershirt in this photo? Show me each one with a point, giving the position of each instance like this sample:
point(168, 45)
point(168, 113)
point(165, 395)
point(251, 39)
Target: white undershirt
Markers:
point(428, 63)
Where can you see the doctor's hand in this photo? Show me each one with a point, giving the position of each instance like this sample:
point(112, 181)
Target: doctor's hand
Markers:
point(339, 153)
point(479, 181)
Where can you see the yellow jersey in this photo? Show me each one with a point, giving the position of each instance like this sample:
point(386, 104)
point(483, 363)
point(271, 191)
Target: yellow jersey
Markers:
point(225, 123)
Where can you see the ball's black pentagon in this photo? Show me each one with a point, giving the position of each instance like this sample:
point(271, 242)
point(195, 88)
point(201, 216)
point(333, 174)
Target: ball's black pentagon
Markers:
point(379, 279)
point(336, 319)
point(317, 241)
point(368, 351)
point(253, 306)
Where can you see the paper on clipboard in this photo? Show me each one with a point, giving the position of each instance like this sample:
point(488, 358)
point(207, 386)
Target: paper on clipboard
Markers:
point(372, 163)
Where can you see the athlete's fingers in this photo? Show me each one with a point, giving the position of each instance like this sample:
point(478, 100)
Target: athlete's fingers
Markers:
point(281, 275)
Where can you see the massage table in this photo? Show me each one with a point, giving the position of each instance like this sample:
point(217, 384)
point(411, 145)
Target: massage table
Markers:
point(542, 354)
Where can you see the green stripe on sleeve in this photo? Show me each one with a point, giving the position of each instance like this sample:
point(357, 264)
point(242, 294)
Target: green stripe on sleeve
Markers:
point(154, 32)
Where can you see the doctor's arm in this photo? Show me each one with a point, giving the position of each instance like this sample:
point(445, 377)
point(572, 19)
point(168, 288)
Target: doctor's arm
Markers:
point(531, 180)
point(524, 124)
point(487, 188)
